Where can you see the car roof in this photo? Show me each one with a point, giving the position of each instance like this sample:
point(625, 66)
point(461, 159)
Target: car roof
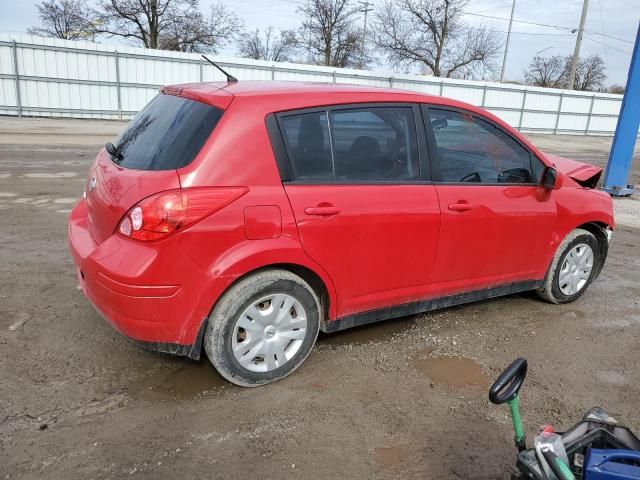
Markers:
point(306, 94)
point(266, 97)
point(266, 88)
point(283, 95)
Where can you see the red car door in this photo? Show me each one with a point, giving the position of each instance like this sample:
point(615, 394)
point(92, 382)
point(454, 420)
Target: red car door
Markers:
point(497, 223)
point(362, 210)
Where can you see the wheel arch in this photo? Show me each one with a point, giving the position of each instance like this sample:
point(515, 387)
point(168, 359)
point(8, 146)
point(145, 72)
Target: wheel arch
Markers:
point(317, 279)
point(598, 230)
point(325, 293)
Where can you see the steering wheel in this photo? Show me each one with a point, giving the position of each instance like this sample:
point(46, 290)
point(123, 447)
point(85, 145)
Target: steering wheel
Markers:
point(508, 384)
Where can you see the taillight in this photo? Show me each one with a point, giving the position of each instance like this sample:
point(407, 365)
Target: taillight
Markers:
point(162, 214)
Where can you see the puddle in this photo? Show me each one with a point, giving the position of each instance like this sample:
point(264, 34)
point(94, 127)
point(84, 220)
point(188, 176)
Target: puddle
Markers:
point(186, 381)
point(457, 372)
point(390, 456)
point(376, 332)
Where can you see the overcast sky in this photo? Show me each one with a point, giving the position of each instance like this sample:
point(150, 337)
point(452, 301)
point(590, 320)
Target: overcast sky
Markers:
point(606, 19)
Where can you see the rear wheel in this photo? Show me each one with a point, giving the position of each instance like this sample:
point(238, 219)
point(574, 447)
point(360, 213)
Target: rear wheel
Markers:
point(263, 328)
point(573, 268)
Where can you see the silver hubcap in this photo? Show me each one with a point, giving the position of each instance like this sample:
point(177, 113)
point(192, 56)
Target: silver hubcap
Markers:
point(576, 269)
point(269, 333)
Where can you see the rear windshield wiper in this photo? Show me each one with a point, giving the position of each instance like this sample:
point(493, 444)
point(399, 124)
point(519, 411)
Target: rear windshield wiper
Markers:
point(111, 149)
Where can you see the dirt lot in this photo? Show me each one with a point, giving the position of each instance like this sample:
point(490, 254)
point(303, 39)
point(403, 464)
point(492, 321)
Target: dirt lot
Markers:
point(403, 399)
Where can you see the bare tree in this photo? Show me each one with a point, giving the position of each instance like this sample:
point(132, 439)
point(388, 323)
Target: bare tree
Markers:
point(553, 72)
point(433, 34)
point(329, 32)
point(193, 32)
point(617, 89)
point(63, 19)
point(170, 24)
point(547, 72)
point(590, 73)
point(271, 46)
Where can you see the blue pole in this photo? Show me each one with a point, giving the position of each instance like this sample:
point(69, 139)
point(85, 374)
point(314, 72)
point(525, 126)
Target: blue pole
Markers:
point(624, 140)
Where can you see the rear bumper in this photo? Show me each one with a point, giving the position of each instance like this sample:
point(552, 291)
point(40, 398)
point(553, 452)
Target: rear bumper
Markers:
point(152, 293)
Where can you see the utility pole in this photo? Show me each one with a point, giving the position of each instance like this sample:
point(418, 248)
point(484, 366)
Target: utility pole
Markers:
point(310, 55)
point(576, 52)
point(506, 47)
point(365, 9)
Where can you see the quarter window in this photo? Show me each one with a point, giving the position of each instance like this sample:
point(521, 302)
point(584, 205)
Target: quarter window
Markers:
point(375, 144)
point(473, 150)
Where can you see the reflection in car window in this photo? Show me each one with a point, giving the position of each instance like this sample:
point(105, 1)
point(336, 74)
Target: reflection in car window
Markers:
point(166, 134)
point(473, 150)
point(375, 144)
point(364, 144)
point(307, 139)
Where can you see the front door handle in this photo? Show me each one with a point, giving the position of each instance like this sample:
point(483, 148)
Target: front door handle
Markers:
point(461, 206)
point(323, 211)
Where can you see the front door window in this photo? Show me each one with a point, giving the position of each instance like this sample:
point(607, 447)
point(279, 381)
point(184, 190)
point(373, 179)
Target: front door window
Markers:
point(472, 150)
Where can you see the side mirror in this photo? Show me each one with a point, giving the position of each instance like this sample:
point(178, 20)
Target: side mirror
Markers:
point(548, 180)
point(439, 123)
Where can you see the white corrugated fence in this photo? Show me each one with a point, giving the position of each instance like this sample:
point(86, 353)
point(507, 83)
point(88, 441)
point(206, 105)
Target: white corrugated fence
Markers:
point(58, 78)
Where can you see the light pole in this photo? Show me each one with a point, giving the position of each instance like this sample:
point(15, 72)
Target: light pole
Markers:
point(506, 47)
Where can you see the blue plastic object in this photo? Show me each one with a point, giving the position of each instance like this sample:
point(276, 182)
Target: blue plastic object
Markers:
point(610, 465)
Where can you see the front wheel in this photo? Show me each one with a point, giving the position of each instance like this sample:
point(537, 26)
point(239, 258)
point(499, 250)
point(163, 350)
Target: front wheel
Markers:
point(263, 328)
point(573, 268)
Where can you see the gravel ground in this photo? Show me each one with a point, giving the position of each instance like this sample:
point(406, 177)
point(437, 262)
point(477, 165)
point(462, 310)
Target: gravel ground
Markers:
point(402, 399)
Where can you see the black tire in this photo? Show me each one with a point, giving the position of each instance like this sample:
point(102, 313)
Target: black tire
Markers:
point(227, 312)
point(551, 289)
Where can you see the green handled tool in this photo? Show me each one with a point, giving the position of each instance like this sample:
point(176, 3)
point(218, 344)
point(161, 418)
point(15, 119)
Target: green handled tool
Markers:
point(505, 390)
point(557, 466)
point(514, 407)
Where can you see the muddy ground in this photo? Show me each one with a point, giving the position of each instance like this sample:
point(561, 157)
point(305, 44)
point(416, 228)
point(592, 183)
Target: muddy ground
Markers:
point(403, 399)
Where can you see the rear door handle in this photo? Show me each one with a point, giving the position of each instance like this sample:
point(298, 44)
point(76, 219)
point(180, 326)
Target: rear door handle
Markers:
point(461, 206)
point(322, 211)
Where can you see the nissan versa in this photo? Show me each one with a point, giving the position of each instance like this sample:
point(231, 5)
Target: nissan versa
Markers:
point(244, 217)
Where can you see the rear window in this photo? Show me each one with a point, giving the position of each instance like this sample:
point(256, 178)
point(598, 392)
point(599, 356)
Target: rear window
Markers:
point(167, 134)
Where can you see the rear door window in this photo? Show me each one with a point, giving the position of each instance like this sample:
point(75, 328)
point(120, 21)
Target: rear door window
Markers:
point(368, 144)
point(473, 150)
point(167, 134)
point(375, 144)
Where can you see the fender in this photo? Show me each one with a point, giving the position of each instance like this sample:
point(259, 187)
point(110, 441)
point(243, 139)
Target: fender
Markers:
point(576, 207)
point(238, 261)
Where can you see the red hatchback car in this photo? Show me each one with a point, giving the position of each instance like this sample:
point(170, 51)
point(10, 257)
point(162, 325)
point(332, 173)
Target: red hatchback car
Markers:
point(245, 217)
